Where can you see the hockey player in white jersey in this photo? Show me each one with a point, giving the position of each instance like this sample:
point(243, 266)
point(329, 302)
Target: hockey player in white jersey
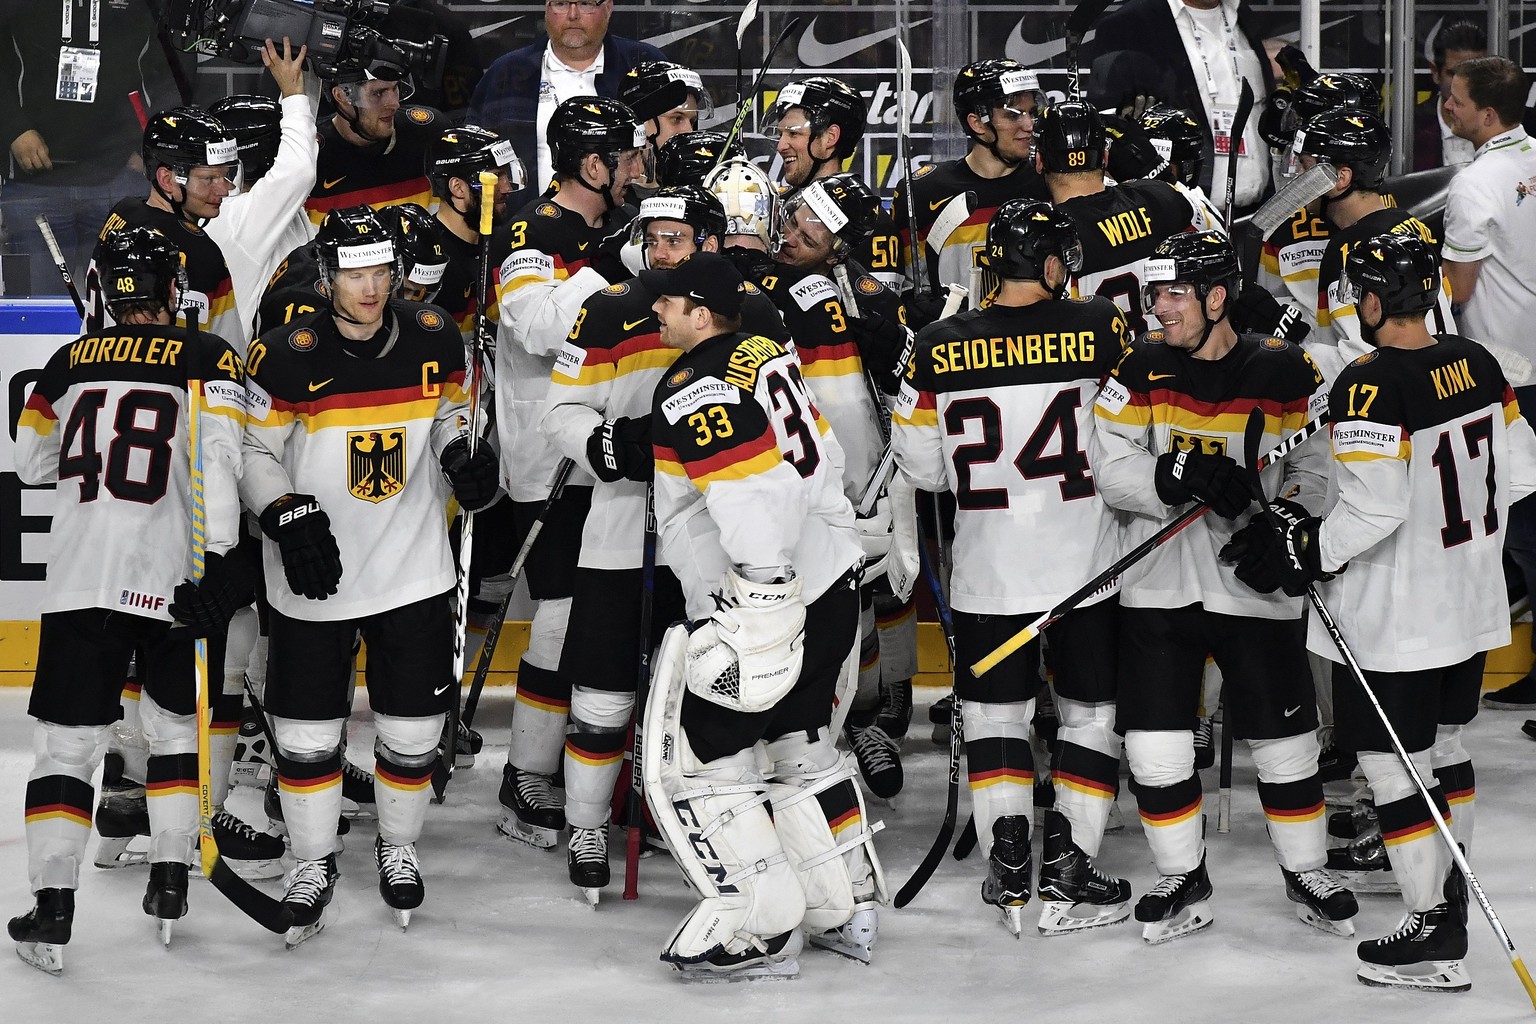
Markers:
point(752, 519)
point(1430, 449)
point(997, 407)
point(109, 422)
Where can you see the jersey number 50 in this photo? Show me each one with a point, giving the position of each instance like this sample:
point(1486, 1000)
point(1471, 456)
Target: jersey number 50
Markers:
point(1069, 463)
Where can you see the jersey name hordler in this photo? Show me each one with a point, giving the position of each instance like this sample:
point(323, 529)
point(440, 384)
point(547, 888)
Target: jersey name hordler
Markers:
point(130, 348)
point(1024, 350)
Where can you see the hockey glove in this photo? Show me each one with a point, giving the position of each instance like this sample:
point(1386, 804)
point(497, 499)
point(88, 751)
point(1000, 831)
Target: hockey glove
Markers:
point(609, 258)
point(311, 559)
point(754, 264)
point(208, 605)
point(1287, 550)
point(748, 654)
point(620, 449)
point(1189, 475)
point(1256, 311)
point(922, 312)
point(474, 477)
point(885, 346)
point(1245, 552)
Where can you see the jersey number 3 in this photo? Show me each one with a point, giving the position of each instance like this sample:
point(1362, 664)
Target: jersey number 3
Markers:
point(1069, 462)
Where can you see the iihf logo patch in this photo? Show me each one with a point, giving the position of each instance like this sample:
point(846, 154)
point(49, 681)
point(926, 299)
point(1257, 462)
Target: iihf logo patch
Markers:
point(302, 340)
point(430, 320)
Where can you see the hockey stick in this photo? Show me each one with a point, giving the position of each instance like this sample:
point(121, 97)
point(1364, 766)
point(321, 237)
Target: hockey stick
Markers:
point(1234, 145)
point(445, 762)
point(904, 157)
point(1251, 439)
point(749, 99)
point(58, 261)
point(930, 862)
point(1224, 779)
point(1108, 580)
point(748, 15)
point(634, 804)
point(255, 904)
point(1078, 23)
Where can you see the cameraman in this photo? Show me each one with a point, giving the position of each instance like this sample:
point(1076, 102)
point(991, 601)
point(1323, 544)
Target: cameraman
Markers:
point(372, 148)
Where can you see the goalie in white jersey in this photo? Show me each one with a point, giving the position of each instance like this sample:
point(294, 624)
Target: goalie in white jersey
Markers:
point(1429, 449)
point(109, 421)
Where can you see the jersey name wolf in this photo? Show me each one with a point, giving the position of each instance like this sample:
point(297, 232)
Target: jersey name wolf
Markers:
point(108, 420)
point(1159, 400)
point(932, 188)
point(747, 471)
point(361, 426)
point(1339, 318)
point(997, 408)
point(209, 301)
point(1119, 227)
point(1430, 449)
point(378, 174)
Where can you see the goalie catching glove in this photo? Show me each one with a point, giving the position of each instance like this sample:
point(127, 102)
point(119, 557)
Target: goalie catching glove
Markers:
point(1282, 554)
point(207, 605)
point(1190, 475)
point(302, 530)
point(748, 654)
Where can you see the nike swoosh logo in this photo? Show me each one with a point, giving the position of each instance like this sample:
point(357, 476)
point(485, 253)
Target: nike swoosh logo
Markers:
point(313, 387)
point(1160, 376)
point(1291, 711)
point(629, 326)
point(941, 202)
point(583, 246)
point(1030, 54)
point(337, 181)
point(439, 691)
point(476, 33)
point(817, 54)
point(668, 38)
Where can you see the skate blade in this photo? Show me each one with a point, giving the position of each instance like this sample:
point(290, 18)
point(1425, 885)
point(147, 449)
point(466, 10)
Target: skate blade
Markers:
point(1013, 919)
point(1428, 975)
point(47, 957)
point(303, 932)
point(1186, 922)
point(119, 853)
point(591, 894)
point(462, 760)
point(1063, 918)
point(402, 918)
point(164, 926)
point(529, 835)
point(1344, 928)
point(833, 942)
point(256, 870)
point(768, 970)
point(1369, 883)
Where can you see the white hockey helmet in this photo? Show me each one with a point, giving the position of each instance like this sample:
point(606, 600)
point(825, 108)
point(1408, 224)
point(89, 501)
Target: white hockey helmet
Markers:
point(749, 198)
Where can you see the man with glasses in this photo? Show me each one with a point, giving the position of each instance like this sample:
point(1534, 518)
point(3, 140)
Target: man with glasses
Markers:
point(578, 56)
point(371, 149)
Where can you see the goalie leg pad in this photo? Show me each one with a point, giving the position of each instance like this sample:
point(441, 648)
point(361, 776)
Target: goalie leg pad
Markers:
point(716, 824)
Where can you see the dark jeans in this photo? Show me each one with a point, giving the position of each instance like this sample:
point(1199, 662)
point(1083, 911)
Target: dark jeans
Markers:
point(75, 212)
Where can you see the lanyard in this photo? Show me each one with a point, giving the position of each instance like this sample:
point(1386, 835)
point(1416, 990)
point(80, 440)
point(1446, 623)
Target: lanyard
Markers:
point(69, 22)
point(1210, 77)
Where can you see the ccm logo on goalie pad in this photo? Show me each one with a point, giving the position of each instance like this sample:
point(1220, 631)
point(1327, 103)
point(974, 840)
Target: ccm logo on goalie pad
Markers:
point(1367, 439)
point(708, 391)
point(1113, 396)
point(569, 359)
point(709, 860)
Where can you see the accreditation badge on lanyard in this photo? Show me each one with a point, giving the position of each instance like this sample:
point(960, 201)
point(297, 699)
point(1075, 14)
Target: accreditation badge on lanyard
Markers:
point(1222, 114)
point(79, 66)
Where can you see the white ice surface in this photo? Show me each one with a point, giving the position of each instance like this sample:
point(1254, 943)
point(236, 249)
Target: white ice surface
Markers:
point(504, 937)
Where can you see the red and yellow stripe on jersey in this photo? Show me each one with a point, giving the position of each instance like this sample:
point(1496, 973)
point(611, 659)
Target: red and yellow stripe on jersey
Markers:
point(412, 190)
point(361, 408)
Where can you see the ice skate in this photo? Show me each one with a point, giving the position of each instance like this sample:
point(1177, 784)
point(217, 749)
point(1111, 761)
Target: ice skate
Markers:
point(310, 886)
point(1178, 905)
point(1363, 864)
point(895, 708)
point(856, 939)
point(1321, 901)
point(252, 764)
point(1427, 950)
point(42, 932)
point(250, 854)
point(587, 859)
point(1205, 744)
point(399, 878)
point(122, 816)
point(530, 811)
point(1006, 886)
point(357, 791)
point(939, 713)
point(771, 958)
point(1075, 895)
point(165, 899)
point(468, 745)
point(878, 755)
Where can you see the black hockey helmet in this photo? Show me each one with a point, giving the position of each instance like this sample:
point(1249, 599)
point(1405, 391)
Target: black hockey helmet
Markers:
point(590, 124)
point(984, 85)
point(464, 153)
point(1204, 259)
point(826, 101)
point(1346, 137)
point(1333, 90)
point(419, 241)
point(186, 137)
point(842, 204)
point(653, 87)
point(138, 267)
point(693, 205)
point(1070, 137)
point(1403, 271)
point(1022, 234)
point(256, 124)
point(1178, 139)
point(687, 157)
point(357, 236)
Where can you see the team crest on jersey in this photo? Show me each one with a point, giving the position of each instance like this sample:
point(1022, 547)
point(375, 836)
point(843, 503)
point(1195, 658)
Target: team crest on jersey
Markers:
point(302, 340)
point(1274, 344)
point(421, 115)
point(1156, 336)
point(622, 288)
point(680, 377)
point(749, 288)
point(376, 463)
point(925, 169)
point(868, 285)
point(546, 210)
point(1362, 360)
point(430, 320)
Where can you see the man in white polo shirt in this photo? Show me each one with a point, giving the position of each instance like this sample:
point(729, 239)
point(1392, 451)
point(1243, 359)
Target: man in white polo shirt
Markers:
point(1489, 258)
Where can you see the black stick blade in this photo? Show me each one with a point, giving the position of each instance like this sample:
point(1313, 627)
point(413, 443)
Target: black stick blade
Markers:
point(1253, 451)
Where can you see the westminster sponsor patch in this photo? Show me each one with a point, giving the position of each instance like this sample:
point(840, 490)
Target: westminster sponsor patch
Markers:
point(258, 403)
point(1113, 396)
point(812, 291)
point(224, 394)
point(701, 393)
point(528, 263)
point(906, 401)
point(569, 359)
point(1363, 438)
